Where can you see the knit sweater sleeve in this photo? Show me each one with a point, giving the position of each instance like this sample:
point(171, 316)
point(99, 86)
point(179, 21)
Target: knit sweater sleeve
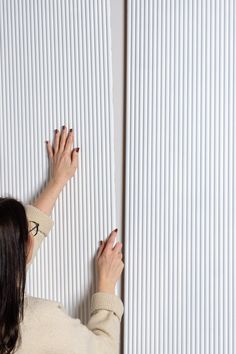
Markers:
point(45, 225)
point(102, 333)
point(47, 328)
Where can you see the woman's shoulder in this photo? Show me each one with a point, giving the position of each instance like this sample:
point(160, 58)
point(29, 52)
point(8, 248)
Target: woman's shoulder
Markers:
point(42, 309)
point(34, 302)
point(41, 316)
point(42, 326)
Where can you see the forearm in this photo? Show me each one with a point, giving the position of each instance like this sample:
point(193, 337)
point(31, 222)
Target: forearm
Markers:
point(48, 197)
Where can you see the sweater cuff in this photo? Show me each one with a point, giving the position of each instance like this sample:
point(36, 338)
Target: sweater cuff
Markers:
point(45, 221)
point(105, 301)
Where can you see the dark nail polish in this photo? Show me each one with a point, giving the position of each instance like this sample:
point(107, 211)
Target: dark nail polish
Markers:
point(56, 130)
point(46, 142)
point(77, 149)
point(71, 130)
point(63, 127)
point(116, 230)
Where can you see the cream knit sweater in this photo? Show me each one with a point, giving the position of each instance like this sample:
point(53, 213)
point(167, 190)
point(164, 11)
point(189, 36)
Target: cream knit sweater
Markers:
point(47, 329)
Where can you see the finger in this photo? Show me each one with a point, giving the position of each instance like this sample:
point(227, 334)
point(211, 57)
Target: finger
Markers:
point(122, 265)
point(111, 239)
point(100, 249)
point(75, 153)
point(56, 141)
point(49, 150)
point(63, 138)
point(69, 141)
point(117, 247)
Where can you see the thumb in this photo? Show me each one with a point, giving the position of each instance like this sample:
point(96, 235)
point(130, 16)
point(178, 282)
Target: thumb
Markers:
point(100, 249)
point(74, 158)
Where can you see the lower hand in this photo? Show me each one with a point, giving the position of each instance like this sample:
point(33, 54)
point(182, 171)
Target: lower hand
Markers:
point(109, 264)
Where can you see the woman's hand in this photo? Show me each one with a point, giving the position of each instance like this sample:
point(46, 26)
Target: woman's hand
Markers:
point(63, 160)
point(109, 264)
point(63, 163)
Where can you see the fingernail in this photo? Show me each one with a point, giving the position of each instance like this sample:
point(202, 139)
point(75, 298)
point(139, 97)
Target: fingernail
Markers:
point(77, 149)
point(46, 142)
point(116, 230)
point(63, 127)
point(56, 130)
point(71, 130)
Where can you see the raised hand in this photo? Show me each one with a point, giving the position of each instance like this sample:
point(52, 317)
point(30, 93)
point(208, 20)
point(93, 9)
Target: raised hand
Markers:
point(63, 157)
point(63, 163)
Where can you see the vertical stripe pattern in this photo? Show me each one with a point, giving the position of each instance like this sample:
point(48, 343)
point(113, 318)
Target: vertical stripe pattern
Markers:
point(180, 294)
point(55, 69)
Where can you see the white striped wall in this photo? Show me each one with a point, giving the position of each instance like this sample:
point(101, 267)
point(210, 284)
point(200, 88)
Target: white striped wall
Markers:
point(55, 67)
point(180, 294)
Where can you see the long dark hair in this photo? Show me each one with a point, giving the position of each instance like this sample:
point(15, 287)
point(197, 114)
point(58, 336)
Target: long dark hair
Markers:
point(13, 254)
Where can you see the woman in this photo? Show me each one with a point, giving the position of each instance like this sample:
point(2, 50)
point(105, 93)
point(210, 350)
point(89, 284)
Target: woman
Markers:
point(31, 325)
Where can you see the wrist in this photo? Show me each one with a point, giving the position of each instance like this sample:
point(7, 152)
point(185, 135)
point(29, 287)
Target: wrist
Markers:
point(110, 289)
point(46, 200)
point(107, 291)
point(56, 183)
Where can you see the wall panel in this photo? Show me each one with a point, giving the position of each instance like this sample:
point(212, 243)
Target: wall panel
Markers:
point(55, 67)
point(180, 294)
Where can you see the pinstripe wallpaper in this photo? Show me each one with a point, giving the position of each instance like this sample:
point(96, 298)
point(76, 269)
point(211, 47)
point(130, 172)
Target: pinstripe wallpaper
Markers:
point(55, 69)
point(180, 294)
